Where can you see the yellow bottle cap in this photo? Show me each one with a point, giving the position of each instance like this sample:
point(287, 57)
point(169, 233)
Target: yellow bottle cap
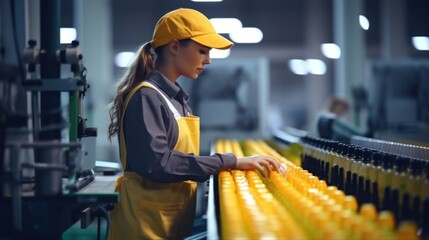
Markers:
point(346, 220)
point(313, 211)
point(320, 199)
point(368, 212)
point(369, 232)
point(328, 204)
point(331, 190)
point(386, 220)
point(302, 173)
point(303, 208)
point(407, 230)
point(358, 224)
point(312, 193)
point(322, 186)
point(335, 212)
point(313, 181)
point(350, 203)
point(339, 197)
point(331, 231)
point(319, 219)
point(297, 169)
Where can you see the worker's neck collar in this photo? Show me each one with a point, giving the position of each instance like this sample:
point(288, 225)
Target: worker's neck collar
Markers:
point(173, 90)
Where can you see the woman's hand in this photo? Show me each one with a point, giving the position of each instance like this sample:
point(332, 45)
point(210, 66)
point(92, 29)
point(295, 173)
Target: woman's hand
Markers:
point(264, 164)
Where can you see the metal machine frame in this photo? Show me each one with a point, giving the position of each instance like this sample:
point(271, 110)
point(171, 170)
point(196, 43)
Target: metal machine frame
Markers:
point(59, 193)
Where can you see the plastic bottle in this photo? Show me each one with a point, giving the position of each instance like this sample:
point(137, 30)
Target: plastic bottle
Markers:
point(334, 169)
point(399, 185)
point(348, 170)
point(407, 230)
point(355, 170)
point(363, 177)
point(368, 212)
point(329, 156)
point(386, 222)
point(370, 228)
point(309, 152)
point(325, 155)
point(414, 183)
point(305, 151)
point(342, 152)
point(370, 232)
point(317, 155)
point(385, 181)
point(424, 195)
point(350, 203)
point(373, 176)
point(358, 225)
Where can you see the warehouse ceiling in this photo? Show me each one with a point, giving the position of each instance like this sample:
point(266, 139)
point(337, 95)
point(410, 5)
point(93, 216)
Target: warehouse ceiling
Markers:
point(285, 23)
point(281, 21)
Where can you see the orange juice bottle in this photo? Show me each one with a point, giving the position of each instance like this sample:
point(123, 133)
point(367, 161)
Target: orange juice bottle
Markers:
point(320, 158)
point(407, 230)
point(399, 184)
point(424, 196)
point(355, 170)
point(385, 181)
point(348, 170)
point(386, 223)
point(369, 212)
point(414, 184)
point(374, 171)
point(333, 169)
point(363, 179)
point(330, 155)
point(305, 154)
point(342, 152)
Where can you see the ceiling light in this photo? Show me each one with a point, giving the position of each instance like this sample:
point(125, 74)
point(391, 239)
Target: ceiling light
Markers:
point(304, 67)
point(206, 0)
point(316, 66)
point(219, 53)
point(330, 50)
point(123, 59)
point(226, 25)
point(67, 35)
point(363, 21)
point(421, 43)
point(298, 66)
point(247, 35)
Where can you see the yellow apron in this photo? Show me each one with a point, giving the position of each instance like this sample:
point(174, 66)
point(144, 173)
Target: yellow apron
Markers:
point(151, 210)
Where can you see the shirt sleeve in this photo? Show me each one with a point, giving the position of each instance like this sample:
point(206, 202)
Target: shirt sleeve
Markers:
point(151, 133)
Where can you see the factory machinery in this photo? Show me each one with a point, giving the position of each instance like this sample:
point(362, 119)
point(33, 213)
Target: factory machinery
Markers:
point(46, 183)
point(327, 190)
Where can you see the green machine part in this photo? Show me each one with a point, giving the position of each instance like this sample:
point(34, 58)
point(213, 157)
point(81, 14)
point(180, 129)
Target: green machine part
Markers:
point(73, 115)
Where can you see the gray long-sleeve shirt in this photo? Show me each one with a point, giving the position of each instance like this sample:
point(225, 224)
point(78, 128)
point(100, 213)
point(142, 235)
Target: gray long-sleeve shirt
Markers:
point(151, 132)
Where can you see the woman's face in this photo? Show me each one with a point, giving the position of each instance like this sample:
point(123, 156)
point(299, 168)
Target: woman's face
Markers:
point(191, 58)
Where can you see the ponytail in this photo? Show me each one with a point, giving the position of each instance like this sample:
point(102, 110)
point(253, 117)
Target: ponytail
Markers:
point(140, 69)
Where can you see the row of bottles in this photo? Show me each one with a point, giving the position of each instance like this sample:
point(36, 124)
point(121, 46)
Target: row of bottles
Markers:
point(390, 182)
point(294, 204)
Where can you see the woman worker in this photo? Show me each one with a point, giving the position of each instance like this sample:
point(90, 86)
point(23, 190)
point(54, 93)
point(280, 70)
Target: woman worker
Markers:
point(159, 136)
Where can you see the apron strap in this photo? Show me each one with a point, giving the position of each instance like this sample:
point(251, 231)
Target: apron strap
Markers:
point(170, 105)
point(127, 100)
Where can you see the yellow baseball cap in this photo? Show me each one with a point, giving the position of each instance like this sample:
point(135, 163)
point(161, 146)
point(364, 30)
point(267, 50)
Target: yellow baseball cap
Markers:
point(184, 23)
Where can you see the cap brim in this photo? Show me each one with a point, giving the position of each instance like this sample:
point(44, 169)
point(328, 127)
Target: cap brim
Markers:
point(213, 40)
